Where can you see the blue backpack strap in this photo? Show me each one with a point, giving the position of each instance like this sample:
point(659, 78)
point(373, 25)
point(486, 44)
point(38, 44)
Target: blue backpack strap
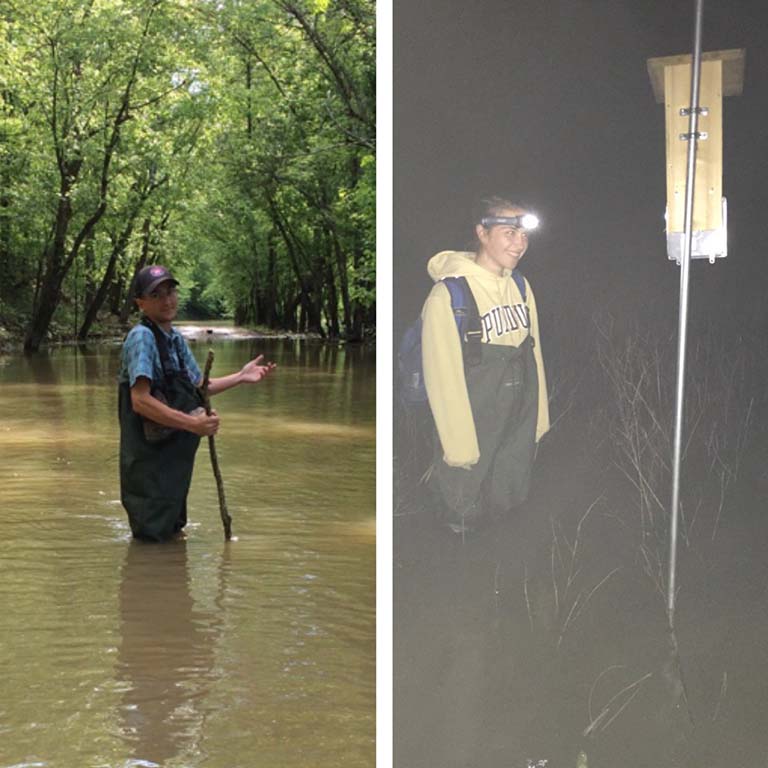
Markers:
point(458, 302)
point(467, 318)
point(517, 276)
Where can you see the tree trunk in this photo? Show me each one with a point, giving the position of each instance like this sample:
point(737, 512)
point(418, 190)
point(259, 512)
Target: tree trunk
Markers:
point(98, 299)
point(90, 263)
point(56, 271)
point(48, 293)
point(358, 311)
point(341, 268)
point(115, 295)
point(129, 303)
point(271, 303)
point(288, 316)
point(301, 325)
point(48, 300)
point(292, 247)
point(333, 300)
point(101, 294)
point(249, 104)
point(5, 223)
point(315, 296)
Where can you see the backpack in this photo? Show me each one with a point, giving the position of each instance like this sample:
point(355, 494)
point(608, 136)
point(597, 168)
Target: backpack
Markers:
point(410, 370)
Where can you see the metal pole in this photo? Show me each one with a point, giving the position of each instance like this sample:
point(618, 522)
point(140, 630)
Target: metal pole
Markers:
point(693, 121)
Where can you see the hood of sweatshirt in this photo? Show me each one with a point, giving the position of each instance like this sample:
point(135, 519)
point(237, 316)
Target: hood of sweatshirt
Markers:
point(457, 263)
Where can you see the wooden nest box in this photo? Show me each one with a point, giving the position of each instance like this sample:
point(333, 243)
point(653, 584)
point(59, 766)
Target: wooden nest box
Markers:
point(722, 74)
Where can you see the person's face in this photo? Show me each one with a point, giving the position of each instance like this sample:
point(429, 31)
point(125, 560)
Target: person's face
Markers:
point(161, 304)
point(502, 246)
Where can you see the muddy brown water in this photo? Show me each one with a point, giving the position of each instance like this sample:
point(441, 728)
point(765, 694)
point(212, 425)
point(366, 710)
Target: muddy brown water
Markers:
point(499, 661)
point(257, 652)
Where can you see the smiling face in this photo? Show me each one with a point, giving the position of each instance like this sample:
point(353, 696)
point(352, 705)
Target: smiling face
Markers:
point(501, 245)
point(161, 304)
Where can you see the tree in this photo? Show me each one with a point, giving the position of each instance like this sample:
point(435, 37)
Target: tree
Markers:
point(232, 140)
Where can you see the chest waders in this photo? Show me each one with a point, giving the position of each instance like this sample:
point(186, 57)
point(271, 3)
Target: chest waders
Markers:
point(155, 476)
point(503, 391)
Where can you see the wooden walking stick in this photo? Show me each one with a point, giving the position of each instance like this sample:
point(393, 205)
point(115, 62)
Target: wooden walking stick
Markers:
point(225, 517)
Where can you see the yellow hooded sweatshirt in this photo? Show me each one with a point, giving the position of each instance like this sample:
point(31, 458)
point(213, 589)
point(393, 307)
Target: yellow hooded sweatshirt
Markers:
point(504, 320)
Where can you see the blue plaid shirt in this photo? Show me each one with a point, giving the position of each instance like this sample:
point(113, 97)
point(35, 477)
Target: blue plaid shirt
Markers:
point(141, 358)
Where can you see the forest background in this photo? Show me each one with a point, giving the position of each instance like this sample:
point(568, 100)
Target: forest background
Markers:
point(232, 140)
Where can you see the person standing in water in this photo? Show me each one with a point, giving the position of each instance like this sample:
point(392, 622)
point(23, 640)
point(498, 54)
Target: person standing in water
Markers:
point(161, 411)
point(489, 413)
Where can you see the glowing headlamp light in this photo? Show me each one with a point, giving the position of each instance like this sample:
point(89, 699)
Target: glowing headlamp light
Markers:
point(525, 221)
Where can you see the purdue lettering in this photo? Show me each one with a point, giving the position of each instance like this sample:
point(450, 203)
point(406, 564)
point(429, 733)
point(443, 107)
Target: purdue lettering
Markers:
point(487, 325)
point(510, 315)
point(504, 319)
point(498, 325)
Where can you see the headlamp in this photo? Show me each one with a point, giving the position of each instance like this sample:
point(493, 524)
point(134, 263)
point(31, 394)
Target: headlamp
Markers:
point(525, 221)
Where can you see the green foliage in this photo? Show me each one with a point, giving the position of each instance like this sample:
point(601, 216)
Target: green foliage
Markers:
point(233, 141)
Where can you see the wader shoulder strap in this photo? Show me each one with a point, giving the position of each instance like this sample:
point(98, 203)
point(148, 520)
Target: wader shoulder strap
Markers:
point(162, 349)
point(467, 318)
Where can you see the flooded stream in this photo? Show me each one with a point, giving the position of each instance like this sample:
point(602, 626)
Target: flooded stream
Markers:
point(257, 652)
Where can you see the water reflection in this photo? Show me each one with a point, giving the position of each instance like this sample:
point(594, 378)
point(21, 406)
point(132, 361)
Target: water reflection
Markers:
point(166, 657)
point(47, 391)
point(91, 372)
point(42, 369)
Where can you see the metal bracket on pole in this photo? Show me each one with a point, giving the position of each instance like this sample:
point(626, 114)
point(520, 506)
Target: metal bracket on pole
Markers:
point(703, 135)
point(686, 111)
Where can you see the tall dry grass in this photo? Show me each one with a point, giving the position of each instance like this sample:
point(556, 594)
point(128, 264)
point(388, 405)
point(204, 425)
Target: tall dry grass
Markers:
point(722, 389)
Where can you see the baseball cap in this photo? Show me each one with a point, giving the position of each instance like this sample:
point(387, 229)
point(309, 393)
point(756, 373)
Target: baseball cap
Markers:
point(150, 277)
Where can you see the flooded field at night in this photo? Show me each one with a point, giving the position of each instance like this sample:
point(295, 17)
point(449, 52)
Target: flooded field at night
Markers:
point(544, 636)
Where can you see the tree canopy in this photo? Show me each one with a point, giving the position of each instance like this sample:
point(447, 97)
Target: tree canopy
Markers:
point(233, 140)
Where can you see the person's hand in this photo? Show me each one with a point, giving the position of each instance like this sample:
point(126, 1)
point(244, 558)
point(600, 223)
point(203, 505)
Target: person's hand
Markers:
point(253, 372)
point(204, 425)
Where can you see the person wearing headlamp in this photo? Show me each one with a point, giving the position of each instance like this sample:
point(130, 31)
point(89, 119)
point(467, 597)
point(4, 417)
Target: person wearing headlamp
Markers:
point(488, 398)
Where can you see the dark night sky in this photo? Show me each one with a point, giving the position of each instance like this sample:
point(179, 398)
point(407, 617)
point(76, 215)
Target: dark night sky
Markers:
point(550, 103)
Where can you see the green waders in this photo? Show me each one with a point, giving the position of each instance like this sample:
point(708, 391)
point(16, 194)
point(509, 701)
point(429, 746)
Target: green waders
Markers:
point(155, 476)
point(503, 392)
